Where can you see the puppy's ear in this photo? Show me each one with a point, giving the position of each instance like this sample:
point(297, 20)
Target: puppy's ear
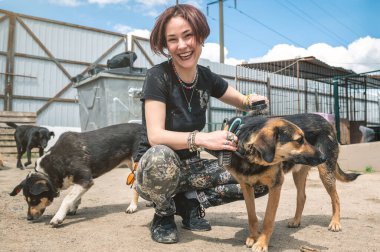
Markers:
point(38, 188)
point(51, 134)
point(17, 189)
point(265, 143)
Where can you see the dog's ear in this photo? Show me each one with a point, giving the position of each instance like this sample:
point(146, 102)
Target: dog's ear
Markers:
point(265, 143)
point(39, 188)
point(51, 134)
point(18, 188)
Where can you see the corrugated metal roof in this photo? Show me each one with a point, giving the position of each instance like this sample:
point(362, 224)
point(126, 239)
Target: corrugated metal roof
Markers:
point(309, 68)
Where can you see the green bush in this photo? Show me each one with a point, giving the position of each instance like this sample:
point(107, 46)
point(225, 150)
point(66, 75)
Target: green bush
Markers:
point(369, 169)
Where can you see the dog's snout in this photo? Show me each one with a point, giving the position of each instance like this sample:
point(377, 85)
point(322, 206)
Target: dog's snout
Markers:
point(322, 158)
point(43, 144)
point(35, 213)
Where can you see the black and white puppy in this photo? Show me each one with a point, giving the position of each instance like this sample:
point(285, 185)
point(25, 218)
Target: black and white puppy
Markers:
point(28, 137)
point(75, 160)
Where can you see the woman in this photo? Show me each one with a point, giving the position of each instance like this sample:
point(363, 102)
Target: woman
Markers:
point(175, 97)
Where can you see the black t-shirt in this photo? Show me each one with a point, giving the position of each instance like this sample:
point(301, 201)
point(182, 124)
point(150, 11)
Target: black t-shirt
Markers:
point(161, 84)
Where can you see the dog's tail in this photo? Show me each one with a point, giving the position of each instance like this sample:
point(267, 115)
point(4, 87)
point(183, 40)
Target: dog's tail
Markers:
point(345, 177)
point(11, 124)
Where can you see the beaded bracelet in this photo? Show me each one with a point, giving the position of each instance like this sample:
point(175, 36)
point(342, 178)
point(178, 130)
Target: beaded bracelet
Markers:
point(246, 104)
point(191, 142)
point(193, 147)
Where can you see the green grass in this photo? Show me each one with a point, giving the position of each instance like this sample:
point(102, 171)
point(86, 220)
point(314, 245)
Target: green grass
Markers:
point(369, 169)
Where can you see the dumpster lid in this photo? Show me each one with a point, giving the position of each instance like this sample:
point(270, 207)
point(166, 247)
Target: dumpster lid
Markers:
point(119, 73)
point(127, 71)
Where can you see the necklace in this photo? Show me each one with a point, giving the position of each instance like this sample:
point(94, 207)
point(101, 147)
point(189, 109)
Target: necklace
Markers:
point(187, 87)
point(188, 101)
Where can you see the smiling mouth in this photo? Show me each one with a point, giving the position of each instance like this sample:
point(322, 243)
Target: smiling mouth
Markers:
point(185, 56)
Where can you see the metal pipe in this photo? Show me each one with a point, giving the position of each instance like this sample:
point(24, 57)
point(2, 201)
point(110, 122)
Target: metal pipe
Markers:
point(221, 31)
point(336, 109)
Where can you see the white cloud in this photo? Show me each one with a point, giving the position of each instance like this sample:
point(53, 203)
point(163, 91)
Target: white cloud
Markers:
point(122, 28)
point(151, 3)
point(105, 2)
point(362, 55)
point(211, 51)
point(69, 3)
point(152, 13)
point(148, 7)
point(125, 29)
point(75, 3)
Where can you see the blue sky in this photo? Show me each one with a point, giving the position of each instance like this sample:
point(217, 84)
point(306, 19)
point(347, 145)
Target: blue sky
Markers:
point(340, 32)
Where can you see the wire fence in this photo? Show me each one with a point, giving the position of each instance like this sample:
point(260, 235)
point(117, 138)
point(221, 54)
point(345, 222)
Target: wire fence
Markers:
point(292, 90)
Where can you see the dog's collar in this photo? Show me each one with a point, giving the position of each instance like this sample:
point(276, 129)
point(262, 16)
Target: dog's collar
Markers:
point(46, 176)
point(240, 153)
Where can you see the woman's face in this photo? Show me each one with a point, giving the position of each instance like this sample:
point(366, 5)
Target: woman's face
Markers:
point(181, 43)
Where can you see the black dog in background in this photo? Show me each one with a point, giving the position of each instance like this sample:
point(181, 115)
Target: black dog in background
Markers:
point(28, 137)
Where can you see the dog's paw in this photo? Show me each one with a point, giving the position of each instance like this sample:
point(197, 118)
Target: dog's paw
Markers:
point(131, 209)
point(251, 239)
point(335, 226)
point(55, 222)
point(249, 242)
point(261, 244)
point(259, 248)
point(294, 223)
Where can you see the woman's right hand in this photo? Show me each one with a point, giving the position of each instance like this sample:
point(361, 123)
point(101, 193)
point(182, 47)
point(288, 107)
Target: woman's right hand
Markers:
point(217, 140)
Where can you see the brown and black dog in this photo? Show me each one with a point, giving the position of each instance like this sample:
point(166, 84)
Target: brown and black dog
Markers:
point(270, 147)
point(76, 160)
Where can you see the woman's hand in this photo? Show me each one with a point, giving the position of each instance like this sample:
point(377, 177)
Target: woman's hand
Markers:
point(217, 140)
point(255, 98)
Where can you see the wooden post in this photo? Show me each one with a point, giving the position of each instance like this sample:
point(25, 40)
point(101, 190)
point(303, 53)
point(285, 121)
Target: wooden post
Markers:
point(9, 69)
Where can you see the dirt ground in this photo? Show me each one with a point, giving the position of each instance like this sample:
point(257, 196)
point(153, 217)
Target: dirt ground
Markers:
point(102, 225)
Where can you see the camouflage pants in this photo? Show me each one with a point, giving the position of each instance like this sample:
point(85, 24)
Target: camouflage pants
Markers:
point(161, 175)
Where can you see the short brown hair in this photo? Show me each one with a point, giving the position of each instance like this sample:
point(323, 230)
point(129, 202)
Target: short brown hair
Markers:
point(191, 14)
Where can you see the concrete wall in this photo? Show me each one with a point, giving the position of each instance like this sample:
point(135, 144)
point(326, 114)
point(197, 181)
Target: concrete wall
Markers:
point(357, 157)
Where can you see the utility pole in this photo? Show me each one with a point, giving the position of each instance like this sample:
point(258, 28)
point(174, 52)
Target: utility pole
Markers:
point(221, 31)
point(221, 28)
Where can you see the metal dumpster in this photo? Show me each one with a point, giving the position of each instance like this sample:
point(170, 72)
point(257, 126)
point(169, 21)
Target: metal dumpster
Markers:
point(110, 97)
